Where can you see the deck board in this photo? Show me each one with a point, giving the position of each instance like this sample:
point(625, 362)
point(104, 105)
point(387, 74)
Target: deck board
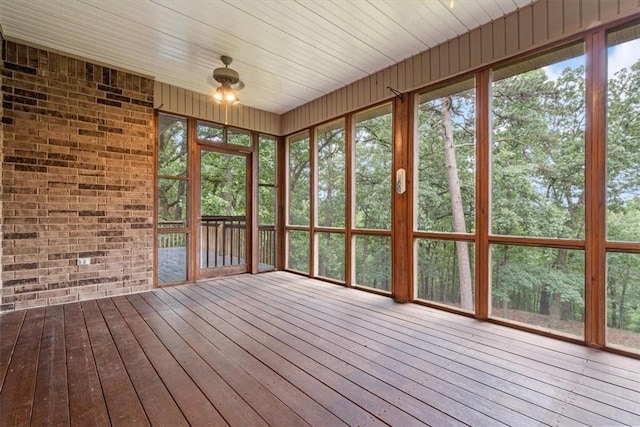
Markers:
point(307, 408)
point(424, 367)
point(226, 400)
point(51, 399)
point(281, 349)
point(154, 396)
point(195, 406)
point(10, 325)
point(357, 383)
point(120, 396)
point(585, 400)
point(454, 359)
point(86, 400)
point(268, 407)
point(16, 396)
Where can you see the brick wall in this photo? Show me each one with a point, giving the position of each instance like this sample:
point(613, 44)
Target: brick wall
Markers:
point(1, 150)
point(77, 179)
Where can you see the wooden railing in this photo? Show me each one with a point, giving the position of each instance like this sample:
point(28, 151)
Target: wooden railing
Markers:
point(267, 246)
point(172, 240)
point(223, 241)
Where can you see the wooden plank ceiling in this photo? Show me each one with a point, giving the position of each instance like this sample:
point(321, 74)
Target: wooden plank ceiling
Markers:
point(288, 52)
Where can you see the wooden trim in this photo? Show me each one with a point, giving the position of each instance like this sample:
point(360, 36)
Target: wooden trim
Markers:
point(385, 101)
point(349, 205)
point(229, 270)
point(595, 191)
point(154, 258)
point(443, 307)
point(329, 230)
point(372, 290)
point(252, 204)
point(282, 169)
point(483, 193)
point(401, 284)
point(370, 232)
point(538, 331)
point(411, 100)
point(330, 280)
point(193, 202)
point(154, 276)
point(313, 189)
point(537, 241)
point(438, 235)
point(296, 228)
point(632, 247)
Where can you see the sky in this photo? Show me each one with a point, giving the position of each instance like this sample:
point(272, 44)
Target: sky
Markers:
point(620, 56)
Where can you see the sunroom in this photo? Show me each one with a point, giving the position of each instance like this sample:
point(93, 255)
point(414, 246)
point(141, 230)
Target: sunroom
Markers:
point(450, 239)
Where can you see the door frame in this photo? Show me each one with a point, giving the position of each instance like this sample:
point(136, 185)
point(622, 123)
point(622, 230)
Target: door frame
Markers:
point(195, 217)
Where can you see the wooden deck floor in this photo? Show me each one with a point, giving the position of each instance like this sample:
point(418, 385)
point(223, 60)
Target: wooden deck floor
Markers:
point(282, 350)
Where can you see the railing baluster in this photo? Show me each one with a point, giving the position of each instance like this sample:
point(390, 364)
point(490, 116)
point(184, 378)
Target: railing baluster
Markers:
point(227, 236)
point(207, 227)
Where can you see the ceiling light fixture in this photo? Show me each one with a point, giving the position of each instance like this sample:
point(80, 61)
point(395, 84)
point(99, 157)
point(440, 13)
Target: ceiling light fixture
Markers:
point(224, 93)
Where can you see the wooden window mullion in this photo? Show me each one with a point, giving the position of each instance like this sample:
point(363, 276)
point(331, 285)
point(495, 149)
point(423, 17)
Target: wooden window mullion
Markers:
point(595, 189)
point(349, 201)
point(483, 176)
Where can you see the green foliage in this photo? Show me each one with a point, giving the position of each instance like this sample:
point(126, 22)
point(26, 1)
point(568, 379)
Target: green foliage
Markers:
point(298, 248)
point(331, 255)
point(266, 180)
point(437, 273)
point(223, 184)
point(372, 172)
point(434, 209)
point(373, 262)
point(299, 181)
point(172, 165)
point(331, 167)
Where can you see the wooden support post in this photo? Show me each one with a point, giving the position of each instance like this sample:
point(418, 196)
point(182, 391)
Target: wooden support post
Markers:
point(282, 169)
point(349, 201)
point(401, 214)
point(483, 195)
point(253, 243)
point(595, 192)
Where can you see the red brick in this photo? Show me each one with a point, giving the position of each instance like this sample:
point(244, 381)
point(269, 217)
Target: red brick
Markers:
point(63, 185)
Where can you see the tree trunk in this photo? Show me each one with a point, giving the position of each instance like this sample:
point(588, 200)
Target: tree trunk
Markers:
point(462, 248)
point(226, 194)
point(622, 318)
point(544, 301)
point(555, 307)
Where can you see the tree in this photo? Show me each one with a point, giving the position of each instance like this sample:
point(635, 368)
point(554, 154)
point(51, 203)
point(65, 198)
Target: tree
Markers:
point(446, 195)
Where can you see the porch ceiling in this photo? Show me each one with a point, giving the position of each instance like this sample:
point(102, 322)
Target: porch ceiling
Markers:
point(288, 52)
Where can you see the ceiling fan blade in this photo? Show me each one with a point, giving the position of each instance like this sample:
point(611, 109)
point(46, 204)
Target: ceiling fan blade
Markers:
point(238, 86)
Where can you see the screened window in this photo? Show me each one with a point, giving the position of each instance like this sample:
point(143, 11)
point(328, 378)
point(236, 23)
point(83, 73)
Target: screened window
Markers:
point(267, 201)
point(538, 190)
point(538, 146)
point(372, 168)
point(446, 159)
point(299, 175)
point(331, 166)
point(623, 186)
point(445, 195)
point(172, 202)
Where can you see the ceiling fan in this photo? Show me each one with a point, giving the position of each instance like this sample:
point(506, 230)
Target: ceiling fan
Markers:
point(230, 82)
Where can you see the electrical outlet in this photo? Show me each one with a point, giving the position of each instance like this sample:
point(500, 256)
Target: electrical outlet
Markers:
point(84, 261)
